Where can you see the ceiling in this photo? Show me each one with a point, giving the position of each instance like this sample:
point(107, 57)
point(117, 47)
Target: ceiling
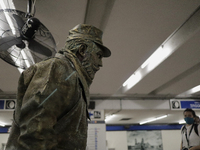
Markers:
point(133, 30)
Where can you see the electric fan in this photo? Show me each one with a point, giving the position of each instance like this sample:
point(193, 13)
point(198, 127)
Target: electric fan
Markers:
point(24, 40)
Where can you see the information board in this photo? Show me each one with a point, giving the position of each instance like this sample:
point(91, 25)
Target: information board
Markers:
point(97, 115)
point(7, 104)
point(96, 136)
point(180, 104)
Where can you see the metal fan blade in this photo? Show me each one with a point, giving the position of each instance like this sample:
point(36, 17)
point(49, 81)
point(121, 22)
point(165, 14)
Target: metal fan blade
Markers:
point(9, 41)
point(19, 20)
point(7, 58)
point(39, 48)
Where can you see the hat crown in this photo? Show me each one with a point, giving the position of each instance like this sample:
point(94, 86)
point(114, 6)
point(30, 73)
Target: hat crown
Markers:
point(88, 31)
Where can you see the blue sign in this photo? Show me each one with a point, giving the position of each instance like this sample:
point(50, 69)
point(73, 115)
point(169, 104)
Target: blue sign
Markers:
point(190, 104)
point(4, 130)
point(180, 104)
point(1, 104)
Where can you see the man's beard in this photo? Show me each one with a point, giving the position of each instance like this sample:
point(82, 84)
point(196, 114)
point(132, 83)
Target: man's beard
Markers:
point(86, 63)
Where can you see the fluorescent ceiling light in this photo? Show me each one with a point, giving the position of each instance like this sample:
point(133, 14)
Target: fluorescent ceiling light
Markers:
point(132, 80)
point(2, 124)
point(195, 89)
point(151, 63)
point(171, 44)
point(151, 120)
point(110, 117)
point(190, 91)
point(181, 122)
point(157, 57)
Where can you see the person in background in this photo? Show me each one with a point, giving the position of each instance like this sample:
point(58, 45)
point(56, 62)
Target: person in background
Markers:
point(190, 131)
point(197, 120)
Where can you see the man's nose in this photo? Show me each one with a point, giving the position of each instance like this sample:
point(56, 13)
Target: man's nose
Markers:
point(100, 64)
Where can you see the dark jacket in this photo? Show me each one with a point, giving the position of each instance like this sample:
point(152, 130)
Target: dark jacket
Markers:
point(51, 111)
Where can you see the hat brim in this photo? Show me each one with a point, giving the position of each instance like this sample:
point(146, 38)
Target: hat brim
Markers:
point(106, 51)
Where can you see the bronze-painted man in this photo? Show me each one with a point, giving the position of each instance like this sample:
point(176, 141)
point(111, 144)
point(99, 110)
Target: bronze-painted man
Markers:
point(53, 95)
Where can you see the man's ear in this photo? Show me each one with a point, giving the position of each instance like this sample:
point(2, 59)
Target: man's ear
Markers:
point(81, 51)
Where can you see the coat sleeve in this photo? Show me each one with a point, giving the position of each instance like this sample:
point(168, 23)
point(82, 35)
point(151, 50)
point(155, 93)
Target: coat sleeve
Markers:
point(12, 142)
point(47, 94)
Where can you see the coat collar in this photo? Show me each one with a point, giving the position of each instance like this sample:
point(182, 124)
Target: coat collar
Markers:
point(81, 72)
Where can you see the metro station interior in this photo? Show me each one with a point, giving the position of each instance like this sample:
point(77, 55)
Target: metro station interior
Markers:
point(151, 77)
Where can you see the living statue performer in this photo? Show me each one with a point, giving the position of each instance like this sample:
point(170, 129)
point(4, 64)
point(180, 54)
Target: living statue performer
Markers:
point(53, 95)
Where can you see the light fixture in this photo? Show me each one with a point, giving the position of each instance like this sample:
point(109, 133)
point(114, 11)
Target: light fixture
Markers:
point(157, 57)
point(170, 45)
point(195, 89)
point(151, 63)
point(2, 124)
point(181, 122)
point(110, 117)
point(151, 120)
point(133, 79)
point(190, 91)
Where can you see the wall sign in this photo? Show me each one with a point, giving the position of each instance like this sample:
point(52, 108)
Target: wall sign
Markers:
point(96, 139)
point(1, 104)
point(97, 115)
point(180, 104)
point(7, 104)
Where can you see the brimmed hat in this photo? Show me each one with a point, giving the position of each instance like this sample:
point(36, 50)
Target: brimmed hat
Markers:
point(89, 32)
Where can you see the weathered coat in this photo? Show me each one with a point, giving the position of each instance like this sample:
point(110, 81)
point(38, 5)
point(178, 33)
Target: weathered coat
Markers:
point(51, 111)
